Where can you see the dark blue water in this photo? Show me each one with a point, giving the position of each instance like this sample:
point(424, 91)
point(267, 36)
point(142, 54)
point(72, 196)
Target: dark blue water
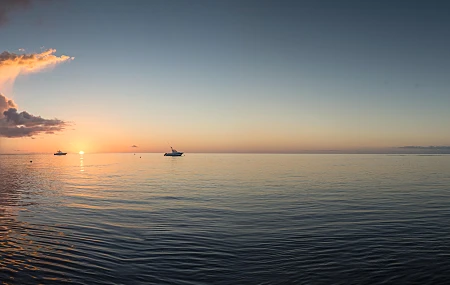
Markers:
point(224, 219)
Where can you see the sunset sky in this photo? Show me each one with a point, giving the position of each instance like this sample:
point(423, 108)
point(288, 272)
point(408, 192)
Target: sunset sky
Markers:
point(223, 76)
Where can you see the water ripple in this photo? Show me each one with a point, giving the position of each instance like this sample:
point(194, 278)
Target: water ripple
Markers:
point(225, 219)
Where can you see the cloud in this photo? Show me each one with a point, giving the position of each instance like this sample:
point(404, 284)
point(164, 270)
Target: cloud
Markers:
point(31, 62)
point(13, 65)
point(134, 145)
point(6, 103)
point(22, 49)
point(27, 120)
point(7, 6)
point(13, 123)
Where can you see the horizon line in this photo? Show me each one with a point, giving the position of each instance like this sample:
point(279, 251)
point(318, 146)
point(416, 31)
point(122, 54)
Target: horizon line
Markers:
point(419, 151)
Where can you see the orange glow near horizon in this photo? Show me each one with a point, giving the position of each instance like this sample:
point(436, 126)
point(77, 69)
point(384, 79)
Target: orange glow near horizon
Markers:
point(86, 140)
point(96, 137)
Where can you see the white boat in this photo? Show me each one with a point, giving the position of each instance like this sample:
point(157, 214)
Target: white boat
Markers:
point(60, 153)
point(173, 153)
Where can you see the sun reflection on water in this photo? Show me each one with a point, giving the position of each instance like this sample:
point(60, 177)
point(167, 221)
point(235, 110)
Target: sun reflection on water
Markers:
point(81, 164)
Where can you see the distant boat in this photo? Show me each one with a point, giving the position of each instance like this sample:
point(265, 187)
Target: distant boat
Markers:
point(60, 153)
point(173, 153)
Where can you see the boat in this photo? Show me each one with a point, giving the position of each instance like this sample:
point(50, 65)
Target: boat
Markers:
point(173, 153)
point(60, 153)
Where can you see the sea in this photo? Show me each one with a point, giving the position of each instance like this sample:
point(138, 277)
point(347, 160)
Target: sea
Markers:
point(224, 219)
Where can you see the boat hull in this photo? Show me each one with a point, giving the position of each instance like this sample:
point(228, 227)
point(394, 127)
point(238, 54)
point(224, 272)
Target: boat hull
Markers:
point(173, 154)
point(64, 153)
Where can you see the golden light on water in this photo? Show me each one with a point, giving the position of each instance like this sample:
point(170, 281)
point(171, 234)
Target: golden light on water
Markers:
point(81, 152)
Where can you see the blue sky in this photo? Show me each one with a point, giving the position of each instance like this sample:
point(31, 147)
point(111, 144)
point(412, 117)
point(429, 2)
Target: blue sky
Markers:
point(239, 75)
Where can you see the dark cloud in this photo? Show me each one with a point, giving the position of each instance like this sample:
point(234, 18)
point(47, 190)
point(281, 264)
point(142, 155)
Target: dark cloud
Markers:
point(27, 120)
point(14, 124)
point(18, 132)
point(6, 6)
point(134, 145)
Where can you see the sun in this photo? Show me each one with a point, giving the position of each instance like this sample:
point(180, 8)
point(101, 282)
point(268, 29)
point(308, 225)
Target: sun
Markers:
point(81, 152)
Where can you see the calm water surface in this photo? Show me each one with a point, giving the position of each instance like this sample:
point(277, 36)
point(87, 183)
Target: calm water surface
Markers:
point(224, 219)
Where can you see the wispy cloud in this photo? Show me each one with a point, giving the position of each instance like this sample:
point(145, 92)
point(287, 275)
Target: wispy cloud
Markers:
point(134, 145)
point(31, 62)
point(12, 64)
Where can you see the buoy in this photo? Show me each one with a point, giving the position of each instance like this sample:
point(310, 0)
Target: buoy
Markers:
point(31, 161)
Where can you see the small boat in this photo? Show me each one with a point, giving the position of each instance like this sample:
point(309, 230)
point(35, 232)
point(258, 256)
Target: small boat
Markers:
point(173, 153)
point(60, 153)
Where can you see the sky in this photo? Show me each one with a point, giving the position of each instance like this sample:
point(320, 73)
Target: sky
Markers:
point(224, 76)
